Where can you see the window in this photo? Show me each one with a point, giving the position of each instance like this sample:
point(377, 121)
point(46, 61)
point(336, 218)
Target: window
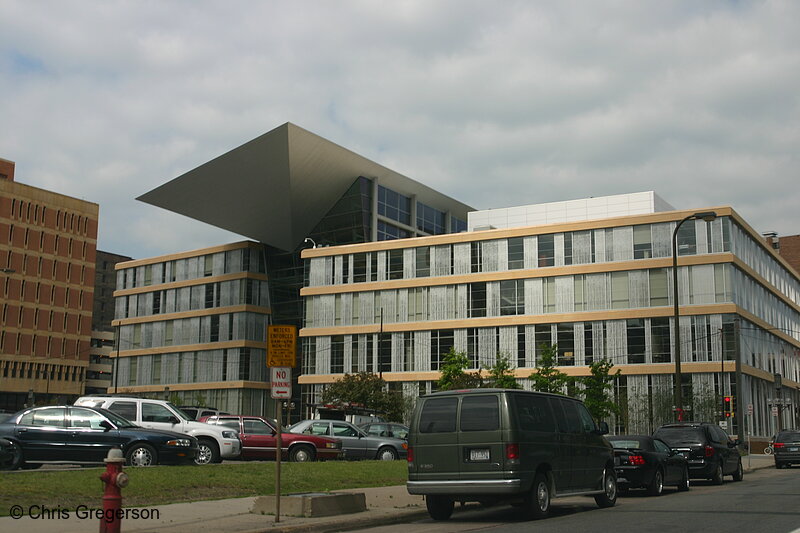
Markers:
point(521, 344)
point(359, 268)
point(153, 412)
point(394, 205)
point(337, 354)
point(477, 299)
point(642, 242)
point(547, 255)
point(438, 416)
point(658, 287)
point(441, 343)
point(534, 413)
point(480, 413)
point(47, 417)
point(344, 430)
point(660, 334)
point(565, 333)
point(570, 422)
point(430, 220)
point(619, 290)
point(636, 340)
point(124, 409)
point(588, 343)
point(516, 253)
point(512, 297)
point(395, 264)
point(423, 262)
point(254, 426)
point(687, 238)
point(84, 418)
point(476, 256)
point(318, 428)
point(568, 248)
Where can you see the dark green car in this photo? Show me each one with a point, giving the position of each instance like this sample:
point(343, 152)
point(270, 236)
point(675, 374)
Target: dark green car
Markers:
point(492, 445)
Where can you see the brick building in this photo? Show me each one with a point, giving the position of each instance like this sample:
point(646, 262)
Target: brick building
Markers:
point(47, 262)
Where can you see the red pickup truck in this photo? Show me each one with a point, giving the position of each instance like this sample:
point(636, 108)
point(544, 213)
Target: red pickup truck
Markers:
point(258, 436)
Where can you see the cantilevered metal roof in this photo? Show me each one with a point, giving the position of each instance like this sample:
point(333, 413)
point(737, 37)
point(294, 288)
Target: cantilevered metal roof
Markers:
point(277, 187)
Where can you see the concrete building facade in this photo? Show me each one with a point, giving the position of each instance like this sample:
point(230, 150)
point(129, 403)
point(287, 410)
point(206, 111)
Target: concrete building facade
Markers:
point(47, 255)
point(596, 284)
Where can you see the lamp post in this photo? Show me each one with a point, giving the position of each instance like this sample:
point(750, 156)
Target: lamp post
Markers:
point(707, 216)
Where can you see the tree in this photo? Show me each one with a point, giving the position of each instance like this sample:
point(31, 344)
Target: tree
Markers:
point(501, 375)
point(599, 388)
point(368, 390)
point(454, 374)
point(546, 378)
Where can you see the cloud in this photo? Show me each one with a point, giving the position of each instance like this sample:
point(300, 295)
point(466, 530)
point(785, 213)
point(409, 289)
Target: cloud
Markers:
point(494, 104)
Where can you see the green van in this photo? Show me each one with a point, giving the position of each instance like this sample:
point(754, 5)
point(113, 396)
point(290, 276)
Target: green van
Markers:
point(492, 445)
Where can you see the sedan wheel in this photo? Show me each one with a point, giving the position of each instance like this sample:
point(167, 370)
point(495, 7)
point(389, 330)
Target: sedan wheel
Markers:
point(739, 474)
point(387, 454)
point(684, 484)
point(141, 455)
point(609, 496)
point(656, 486)
point(15, 461)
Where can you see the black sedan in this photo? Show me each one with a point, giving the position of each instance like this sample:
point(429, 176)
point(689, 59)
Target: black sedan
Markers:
point(84, 435)
point(646, 462)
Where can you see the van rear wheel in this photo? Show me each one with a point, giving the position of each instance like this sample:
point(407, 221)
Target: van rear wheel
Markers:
point(439, 507)
point(538, 499)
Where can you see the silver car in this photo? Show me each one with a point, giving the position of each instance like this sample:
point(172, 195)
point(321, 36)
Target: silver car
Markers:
point(356, 443)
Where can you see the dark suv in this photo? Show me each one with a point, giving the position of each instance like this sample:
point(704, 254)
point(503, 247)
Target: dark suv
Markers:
point(786, 448)
point(711, 453)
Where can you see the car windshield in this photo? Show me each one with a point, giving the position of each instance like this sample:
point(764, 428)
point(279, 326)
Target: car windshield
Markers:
point(680, 435)
point(117, 420)
point(180, 413)
point(788, 436)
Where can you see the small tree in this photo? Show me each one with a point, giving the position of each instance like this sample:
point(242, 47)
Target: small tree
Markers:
point(599, 388)
point(454, 373)
point(501, 375)
point(546, 378)
point(369, 390)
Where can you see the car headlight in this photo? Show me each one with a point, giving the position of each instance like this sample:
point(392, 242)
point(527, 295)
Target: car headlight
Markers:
point(230, 435)
point(186, 443)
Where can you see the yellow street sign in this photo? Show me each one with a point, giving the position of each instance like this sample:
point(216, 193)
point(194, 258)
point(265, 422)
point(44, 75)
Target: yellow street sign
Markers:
point(281, 346)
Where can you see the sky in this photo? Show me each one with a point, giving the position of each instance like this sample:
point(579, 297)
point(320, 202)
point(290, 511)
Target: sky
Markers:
point(496, 104)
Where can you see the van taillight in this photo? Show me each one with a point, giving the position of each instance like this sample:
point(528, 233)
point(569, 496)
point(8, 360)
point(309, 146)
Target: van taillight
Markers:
point(512, 451)
point(410, 455)
point(709, 451)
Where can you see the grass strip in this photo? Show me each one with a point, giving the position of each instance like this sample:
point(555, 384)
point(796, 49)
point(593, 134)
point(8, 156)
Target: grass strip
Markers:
point(173, 484)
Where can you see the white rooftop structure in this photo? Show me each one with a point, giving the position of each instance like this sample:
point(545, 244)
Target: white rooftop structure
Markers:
point(618, 205)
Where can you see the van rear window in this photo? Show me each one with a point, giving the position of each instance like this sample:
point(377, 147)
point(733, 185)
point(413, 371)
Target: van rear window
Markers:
point(438, 416)
point(480, 413)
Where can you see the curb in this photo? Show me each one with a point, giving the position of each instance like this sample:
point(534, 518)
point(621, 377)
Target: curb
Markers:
point(347, 522)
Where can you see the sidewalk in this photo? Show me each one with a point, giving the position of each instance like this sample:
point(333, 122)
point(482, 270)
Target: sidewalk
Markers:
point(385, 505)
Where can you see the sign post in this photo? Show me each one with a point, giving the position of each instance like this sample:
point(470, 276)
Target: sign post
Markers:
point(281, 358)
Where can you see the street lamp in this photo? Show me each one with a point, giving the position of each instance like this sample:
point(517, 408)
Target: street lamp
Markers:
point(707, 216)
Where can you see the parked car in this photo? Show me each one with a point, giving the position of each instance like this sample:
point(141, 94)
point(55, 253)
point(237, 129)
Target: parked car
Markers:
point(491, 445)
point(386, 429)
point(645, 462)
point(711, 453)
point(84, 435)
point(786, 448)
point(215, 443)
point(196, 413)
point(356, 443)
point(258, 436)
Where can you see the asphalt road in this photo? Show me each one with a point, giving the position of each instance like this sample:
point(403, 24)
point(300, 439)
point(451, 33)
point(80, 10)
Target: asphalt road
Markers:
point(766, 501)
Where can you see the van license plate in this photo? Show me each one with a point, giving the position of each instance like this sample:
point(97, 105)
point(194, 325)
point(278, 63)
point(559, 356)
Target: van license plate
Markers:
point(479, 455)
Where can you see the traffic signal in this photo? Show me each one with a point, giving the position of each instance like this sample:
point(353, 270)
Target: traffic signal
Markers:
point(727, 403)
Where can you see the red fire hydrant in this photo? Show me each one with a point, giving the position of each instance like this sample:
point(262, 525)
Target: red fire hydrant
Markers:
point(114, 479)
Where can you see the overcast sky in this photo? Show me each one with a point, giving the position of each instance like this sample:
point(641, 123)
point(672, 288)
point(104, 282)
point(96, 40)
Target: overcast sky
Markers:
point(494, 103)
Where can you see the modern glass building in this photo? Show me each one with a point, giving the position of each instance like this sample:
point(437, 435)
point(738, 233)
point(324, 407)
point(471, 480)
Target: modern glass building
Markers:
point(594, 280)
point(192, 325)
